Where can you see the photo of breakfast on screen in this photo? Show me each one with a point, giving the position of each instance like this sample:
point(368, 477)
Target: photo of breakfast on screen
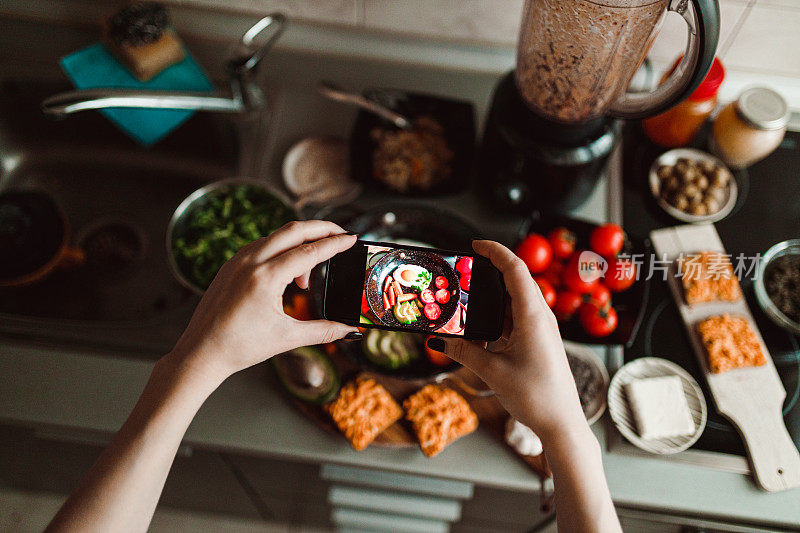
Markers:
point(416, 289)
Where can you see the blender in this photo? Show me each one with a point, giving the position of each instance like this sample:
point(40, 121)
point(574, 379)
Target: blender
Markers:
point(553, 120)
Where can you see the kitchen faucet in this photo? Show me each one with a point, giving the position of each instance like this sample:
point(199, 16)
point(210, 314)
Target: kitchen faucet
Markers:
point(242, 66)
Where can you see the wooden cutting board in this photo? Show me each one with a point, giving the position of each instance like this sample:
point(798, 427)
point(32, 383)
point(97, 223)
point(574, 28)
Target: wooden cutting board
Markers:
point(751, 398)
point(491, 415)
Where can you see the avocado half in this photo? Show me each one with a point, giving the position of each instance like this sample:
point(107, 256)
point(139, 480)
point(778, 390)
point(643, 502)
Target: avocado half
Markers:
point(320, 394)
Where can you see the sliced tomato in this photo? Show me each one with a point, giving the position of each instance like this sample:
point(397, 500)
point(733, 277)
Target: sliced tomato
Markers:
point(432, 311)
point(441, 282)
point(464, 282)
point(427, 296)
point(442, 296)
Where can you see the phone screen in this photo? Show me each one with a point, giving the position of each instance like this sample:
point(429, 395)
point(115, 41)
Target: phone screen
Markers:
point(416, 289)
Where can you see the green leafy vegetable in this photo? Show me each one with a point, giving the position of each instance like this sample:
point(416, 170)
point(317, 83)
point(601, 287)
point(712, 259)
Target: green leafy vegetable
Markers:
point(216, 229)
point(423, 280)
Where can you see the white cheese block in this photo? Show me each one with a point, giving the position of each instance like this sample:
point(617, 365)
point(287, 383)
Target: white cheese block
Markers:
point(659, 407)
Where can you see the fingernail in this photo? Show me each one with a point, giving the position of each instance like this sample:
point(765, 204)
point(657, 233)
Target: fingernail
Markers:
point(354, 336)
point(352, 233)
point(436, 344)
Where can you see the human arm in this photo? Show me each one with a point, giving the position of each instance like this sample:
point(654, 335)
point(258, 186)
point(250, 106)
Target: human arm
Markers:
point(239, 322)
point(529, 372)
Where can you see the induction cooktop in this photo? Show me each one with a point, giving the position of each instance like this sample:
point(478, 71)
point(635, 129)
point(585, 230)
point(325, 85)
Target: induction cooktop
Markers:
point(767, 211)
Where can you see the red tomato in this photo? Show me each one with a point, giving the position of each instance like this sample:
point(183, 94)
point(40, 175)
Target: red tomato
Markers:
point(572, 279)
point(442, 296)
point(536, 252)
point(464, 265)
point(607, 240)
point(437, 358)
point(427, 296)
point(562, 241)
point(441, 282)
point(547, 289)
point(364, 304)
point(598, 321)
point(432, 311)
point(620, 275)
point(465, 281)
point(600, 295)
point(567, 304)
point(554, 273)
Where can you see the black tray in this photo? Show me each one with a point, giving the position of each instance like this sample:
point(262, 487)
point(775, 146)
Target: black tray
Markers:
point(630, 305)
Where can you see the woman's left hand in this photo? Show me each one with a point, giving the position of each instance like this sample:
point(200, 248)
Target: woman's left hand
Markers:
point(240, 320)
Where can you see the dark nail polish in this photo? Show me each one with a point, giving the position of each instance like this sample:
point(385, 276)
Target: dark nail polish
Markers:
point(354, 336)
point(352, 233)
point(436, 344)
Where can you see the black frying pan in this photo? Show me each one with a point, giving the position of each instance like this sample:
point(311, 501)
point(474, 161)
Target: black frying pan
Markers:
point(386, 265)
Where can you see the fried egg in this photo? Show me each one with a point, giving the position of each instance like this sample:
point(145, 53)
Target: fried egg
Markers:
point(406, 275)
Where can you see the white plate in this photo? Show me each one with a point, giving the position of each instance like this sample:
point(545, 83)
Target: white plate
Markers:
point(622, 415)
point(670, 158)
point(597, 406)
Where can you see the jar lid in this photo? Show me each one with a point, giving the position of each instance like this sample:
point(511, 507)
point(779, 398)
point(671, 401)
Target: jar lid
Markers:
point(763, 108)
point(709, 87)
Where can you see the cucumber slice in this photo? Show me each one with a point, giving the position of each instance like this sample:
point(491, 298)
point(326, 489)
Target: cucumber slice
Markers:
point(389, 349)
point(319, 394)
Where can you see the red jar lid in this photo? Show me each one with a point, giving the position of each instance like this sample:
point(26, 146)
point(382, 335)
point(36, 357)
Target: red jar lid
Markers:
point(710, 85)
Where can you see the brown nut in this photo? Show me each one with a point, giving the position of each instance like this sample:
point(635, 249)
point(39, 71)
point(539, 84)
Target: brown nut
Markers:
point(664, 171)
point(712, 205)
point(698, 208)
point(679, 201)
point(701, 181)
point(693, 192)
point(707, 166)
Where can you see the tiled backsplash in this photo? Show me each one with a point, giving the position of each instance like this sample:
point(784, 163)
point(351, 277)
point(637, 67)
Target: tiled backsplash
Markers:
point(756, 35)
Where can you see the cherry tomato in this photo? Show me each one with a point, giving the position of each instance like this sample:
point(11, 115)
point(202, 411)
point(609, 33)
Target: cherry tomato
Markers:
point(441, 282)
point(607, 240)
point(464, 282)
point(547, 289)
point(432, 311)
point(572, 278)
point(536, 252)
point(437, 358)
point(427, 296)
point(567, 304)
point(600, 295)
point(442, 296)
point(364, 304)
point(598, 321)
point(464, 265)
point(562, 241)
point(620, 275)
point(554, 273)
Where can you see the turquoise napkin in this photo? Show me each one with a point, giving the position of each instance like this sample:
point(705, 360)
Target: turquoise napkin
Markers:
point(95, 68)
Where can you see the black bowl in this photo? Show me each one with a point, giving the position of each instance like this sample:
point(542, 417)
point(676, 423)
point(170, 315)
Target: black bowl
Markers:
point(376, 278)
point(630, 305)
point(456, 117)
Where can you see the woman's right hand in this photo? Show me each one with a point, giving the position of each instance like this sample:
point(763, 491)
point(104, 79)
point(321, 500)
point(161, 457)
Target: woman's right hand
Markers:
point(527, 368)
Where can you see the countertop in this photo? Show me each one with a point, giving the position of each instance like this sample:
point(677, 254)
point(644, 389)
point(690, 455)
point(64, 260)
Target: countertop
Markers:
point(92, 392)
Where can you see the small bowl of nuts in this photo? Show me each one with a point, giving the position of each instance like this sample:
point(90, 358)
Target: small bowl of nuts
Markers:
point(693, 186)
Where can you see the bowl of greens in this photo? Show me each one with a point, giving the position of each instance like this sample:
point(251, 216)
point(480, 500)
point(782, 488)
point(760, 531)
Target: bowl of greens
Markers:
point(215, 221)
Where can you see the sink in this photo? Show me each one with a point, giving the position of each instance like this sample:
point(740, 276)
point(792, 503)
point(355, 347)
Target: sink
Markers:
point(118, 198)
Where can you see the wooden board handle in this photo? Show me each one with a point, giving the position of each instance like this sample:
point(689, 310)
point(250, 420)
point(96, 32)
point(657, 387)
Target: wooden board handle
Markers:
point(775, 459)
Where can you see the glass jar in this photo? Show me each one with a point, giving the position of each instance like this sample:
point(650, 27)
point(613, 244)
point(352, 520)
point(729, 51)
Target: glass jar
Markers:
point(679, 125)
point(751, 128)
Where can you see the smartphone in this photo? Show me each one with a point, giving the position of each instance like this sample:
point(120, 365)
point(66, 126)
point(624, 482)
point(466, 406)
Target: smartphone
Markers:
point(422, 290)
